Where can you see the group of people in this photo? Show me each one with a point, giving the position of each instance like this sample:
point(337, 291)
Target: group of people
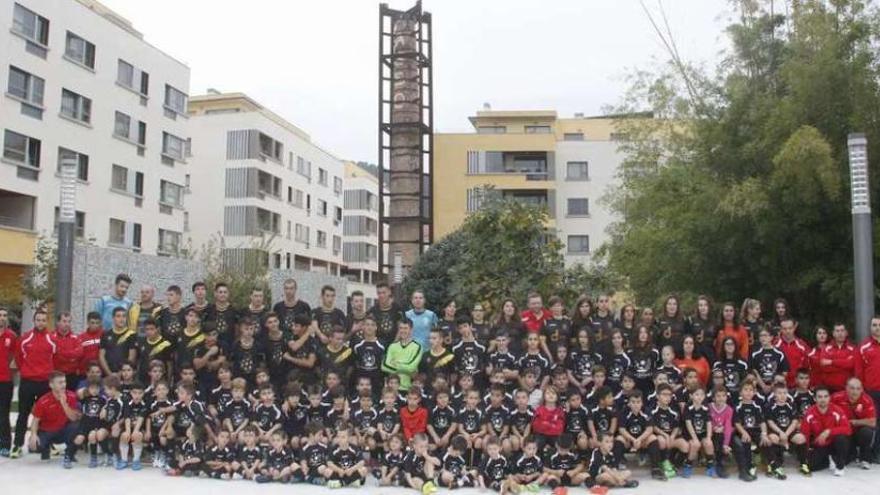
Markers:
point(548, 395)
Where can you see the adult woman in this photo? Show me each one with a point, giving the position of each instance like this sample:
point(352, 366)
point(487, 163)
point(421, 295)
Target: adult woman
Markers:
point(733, 367)
point(703, 327)
point(730, 327)
point(647, 319)
point(581, 359)
point(509, 321)
point(645, 358)
point(670, 323)
point(781, 312)
point(691, 358)
point(582, 315)
point(823, 338)
point(447, 323)
point(750, 318)
point(626, 322)
point(616, 361)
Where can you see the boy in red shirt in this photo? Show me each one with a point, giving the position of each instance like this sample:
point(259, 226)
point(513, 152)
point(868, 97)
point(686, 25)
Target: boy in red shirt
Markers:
point(90, 341)
point(56, 419)
point(8, 341)
point(413, 417)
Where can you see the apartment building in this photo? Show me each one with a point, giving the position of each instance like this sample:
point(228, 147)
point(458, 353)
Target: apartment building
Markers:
point(360, 229)
point(81, 82)
point(263, 187)
point(565, 164)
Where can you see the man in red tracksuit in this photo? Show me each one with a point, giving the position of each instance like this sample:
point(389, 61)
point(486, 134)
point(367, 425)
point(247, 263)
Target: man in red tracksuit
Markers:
point(839, 363)
point(8, 343)
point(68, 354)
point(859, 409)
point(794, 349)
point(827, 430)
point(34, 356)
point(868, 369)
point(90, 341)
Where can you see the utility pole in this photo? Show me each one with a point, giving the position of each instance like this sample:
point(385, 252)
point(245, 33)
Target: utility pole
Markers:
point(66, 231)
point(863, 249)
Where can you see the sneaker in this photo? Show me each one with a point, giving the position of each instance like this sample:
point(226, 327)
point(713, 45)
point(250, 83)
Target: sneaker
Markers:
point(687, 471)
point(631, 484)
point(710, 472)
point(429, 487)
point(15, 453)
point(560, 490)
point(120, 465)
point(262, 478)
point(837, 471)
point(157, 463)
point(355, 484)
point(533, 487)
point(4, 452)
point(753, 472)
point(136, 466)
point(805, 470)
point(338, 484)
point(55, 451)
point(864, 465)
point(668, 469)
point(779, 474)
point(67, 463)
point(109, 461)
point(93, 461)
point(598, 490)
point(745, 476)
point(172, 472)
point(658, 474)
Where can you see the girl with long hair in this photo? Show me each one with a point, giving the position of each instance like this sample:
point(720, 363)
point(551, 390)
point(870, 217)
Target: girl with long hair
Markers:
point(645, 358)
point(730, 327)
point(690, 358)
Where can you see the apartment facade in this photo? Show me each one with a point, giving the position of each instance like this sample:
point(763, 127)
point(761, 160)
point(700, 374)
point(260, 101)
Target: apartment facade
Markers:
point(565, 164)
point(360, 232)
point(263, 187)
point(81, 82)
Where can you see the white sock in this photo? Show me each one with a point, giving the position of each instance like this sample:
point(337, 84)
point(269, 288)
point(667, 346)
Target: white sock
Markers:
point(123, 451)
point(137, 452)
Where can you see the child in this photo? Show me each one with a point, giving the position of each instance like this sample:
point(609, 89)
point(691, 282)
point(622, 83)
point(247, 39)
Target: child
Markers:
point(221, 395)
point(604, 464)
point(668, 367)
point(751, 429)
point(667, 426)
point(802, 397)
point(391, 471)
point(441, 421)
point(246, 354)
point(192, 452)
point(158, 424)
point(698, 434)
point(413, 417)
point(581, 360)
point(420, 466)
point(599, 374)
point(602, 417)
point(91, 404)
point(533, 358)
point(470, 421)
point(314, 455)
point(364, 419)
point(220, 458)
point(529, 384)
point(112, 415)
point(438, 359)
point(691, 381)
point(783, 429)
point(496, 417)
point(576, 421)
point(503, 360)
point(721, 415)
point(637, 435)
point(234, 417)
point(494, 470)
point(134, 424)
point(266, 416)
point(388, 419)
point(529, 468)
point(565, 469)
point(280, 464)
point(126, 380)
point(455, 472)
point(520, 420)
point(766, 362)
point(249, 459)
point(345, 464)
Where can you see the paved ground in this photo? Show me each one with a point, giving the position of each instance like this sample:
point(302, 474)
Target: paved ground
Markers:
point(37, 477)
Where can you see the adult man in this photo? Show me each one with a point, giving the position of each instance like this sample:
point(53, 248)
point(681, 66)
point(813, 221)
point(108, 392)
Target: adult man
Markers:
point(34, 356)
point(90, 341)
point(840, 363)
point(106, 304)
point(328, 316)
point(794, 349)
point(290, 306)
point(8, 342)
point(172, 318)
point(387, 314)
point(200, 298)
point(68, 354)
point(258, 311)
point(423, 319)
point(868, 369)
point(827, 430)
point(142, 310)
point(222, 316)
point(403, 355)
point(862, 415)
point(153, 347)
point(535, 314)
point(117, 345)
point(356, 316)
point(56, 420)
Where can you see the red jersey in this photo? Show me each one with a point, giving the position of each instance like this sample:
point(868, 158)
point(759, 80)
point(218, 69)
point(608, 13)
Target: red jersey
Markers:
point(413, 422)
point(35, 355)
point(796, 354)
point(90, 341)
point(50, 413)
point(815, 422)
point(868, 364)
point(535, 322)
point(68, 354)
point(863, 408)
point(548, 421)
point(841, 369)
point(8, 343)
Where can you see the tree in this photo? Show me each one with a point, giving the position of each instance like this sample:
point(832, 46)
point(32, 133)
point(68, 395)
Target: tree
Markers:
point(241, 269)
point(739, 188)
point(38, 281)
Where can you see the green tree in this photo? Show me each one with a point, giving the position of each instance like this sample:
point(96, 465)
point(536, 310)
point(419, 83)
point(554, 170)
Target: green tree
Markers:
point(740, 187)
point(241, 269)
point(38, 281)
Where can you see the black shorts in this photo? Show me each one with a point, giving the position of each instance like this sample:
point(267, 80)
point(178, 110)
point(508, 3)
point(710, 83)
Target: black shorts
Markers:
point(88, 425)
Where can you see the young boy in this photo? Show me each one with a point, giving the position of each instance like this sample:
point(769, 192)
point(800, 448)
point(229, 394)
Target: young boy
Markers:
point(280, 465)
point(158, 425)
point(235, 415)
point(391, 471)
point(751, 431)
point(413, 417)
point(219, 458)
point(565, 468)
point(113, 418)
point(496, 418)
point(637, 435)
point(802, 396)
point(266, 416)
point(189, 460)
point(134, 425)
point(314, 455)
point(520, 420)
point(783, 429)
point(249, 458)
point(364, 420)
point(529, 468)
point(346, 466)
point(420, 466)
point(503, 360)
point(668, 368)
point(698, 434)
point(494, 470)
point(246, 353)
point(388, 420)
point(602, 417)
point(604, 464)
point(438, 359)
point(470, 421)
point(455, 472)
point(766, 362)
point(667, 427)
point(441, 421)
point(91, 404)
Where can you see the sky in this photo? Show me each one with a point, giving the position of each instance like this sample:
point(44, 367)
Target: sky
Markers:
point(315, 62)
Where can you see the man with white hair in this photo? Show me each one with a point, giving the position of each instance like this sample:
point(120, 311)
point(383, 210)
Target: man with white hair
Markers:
point(862, 415)
point(143, 310)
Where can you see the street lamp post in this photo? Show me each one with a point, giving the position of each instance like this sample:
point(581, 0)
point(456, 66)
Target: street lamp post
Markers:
point(863, 250)
point(66, 231)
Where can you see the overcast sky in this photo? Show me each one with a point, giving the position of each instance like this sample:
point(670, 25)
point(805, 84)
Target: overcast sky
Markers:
point(315, 62)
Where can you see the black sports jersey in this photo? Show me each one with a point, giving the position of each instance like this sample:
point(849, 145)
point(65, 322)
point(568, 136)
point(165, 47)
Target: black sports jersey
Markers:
point(172, 324)
point(781, 414)
point(802, 400)
point(529, 465)
point(113, 410)
point(768, 362)
point(502, 361)
point(294, 422)
point(557, 331)
point(699, 418)
point(601, 326)
point(364, 418)
point(265, 417)
point(157, 419)
point(237, 412)
point(388, 419)
point(563, 460)
point(91, 406)
point(749, 416)
point(188, 415)
point(147, 352)
point(470, 420)
point(734, 372)
point(635, 424)
point(335, 419)
point(246, 359)
point(455, 464)
point(682, 398)
point(249, 456)
point(187, 346)
point(134, 410)
point(326, 320)
point(386, 322)
point(116, 346)
point(621, 399)
point(643, 362)
point(368, 356)
point(581, 362)
point(286, 313)
point(192, 450)
point(494, 470)
point(673, 373)
point(345, 458)
point(318, 413)
point(576, 420)
point(598, 460)
point(441, 419)
point(393, 459)
point(496, 418)
point(315, 455)
point(602, 418)
point(220, 397)
point(224, 322)
point(520, 420)
point(278, 459)
point(470, 357)
point(537, 361)
point(665, 419)
point(225, 454)
point(414, 464)
point(337, 361)
point(275, 348)
point(615, 366)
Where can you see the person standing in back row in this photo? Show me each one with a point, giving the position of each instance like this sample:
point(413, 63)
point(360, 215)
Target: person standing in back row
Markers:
point(290, 306)
point(34, 356)
point(106, 304)
point(423, 319)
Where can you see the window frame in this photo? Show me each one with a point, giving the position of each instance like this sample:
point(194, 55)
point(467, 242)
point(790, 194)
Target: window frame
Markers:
point(82, 163)
point(88, 51)
point(166, 137)
point(171, 90)
point(30, 81)
point(40, 26)
point(82, 111)
point(571, 178)
point(163, 199)
point(30, 158)
point(568, 209)
point(571, 237)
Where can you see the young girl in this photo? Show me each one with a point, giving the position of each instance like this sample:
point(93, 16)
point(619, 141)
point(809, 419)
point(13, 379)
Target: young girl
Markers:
point(730, 327)
point(549, 420)
point(750, 316)
point(616, 361)
point(534, 358)
point(627, 323)
point(702, 326)
point(644, 358)
point(721, 415)
point(670, 323)
point(734, 368)
point(581, 360)
point(189, 460)
point(509, 321)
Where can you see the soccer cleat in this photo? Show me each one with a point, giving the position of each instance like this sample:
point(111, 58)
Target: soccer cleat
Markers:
point(560, 490)
point(687, 471)
point(355, 484)
point(261, 478)
point(429, 487)
point(631, 484)
point(533, 487)
point(837, 471)
point(67, 463)
point(54, 451)
point(779, 474)
point(15, 453)
point(109, 461)
point(338, 484)
point(136, 466)
point(864, 465)
point(710, 472)
point(658, 474)
point(172, 472)
point(721, 472)
point(753, 472)
point(598, 490)
point(805, 470)
point(745, 476)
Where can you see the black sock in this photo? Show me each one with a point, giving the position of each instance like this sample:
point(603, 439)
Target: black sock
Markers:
point(93, 449)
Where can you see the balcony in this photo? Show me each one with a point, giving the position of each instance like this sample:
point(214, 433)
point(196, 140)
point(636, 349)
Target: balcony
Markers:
point(532, 165)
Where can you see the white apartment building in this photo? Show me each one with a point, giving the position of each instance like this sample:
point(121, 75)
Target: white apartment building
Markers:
point(262, 186)
point(360, 235)
point(82, 82)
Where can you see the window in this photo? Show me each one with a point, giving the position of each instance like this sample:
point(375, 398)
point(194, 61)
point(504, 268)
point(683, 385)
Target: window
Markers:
point(322, 208)
point(125, 128)
point(268, 221)
point(169, 242)
point(117, 232)
point(268, 184)
point(175, 99)
point(301, 234)
point(26, 86)
point(298, 198)
point(303, 167)
point(75, 106)
point(577, 171)
point(173, 146)
point(82, 162)
point(578, 244)
point(126, 234)
point(337, 244)
point(573, 136)
point(322, 176)
point(79, 50)
point(123, 180)
point(119, 178)
point(338, 216)
point(270, 148)
point(491, 129)
point(29, 24)
point(321, 240)
point(578, 207)
point(24, 151)
point(537, 129)
point(79, 231)
point(132, 78)
point(337, 185)
point(170, 194)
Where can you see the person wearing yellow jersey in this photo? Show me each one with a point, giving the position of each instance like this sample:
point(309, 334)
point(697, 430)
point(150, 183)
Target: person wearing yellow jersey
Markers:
point(117, 345)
